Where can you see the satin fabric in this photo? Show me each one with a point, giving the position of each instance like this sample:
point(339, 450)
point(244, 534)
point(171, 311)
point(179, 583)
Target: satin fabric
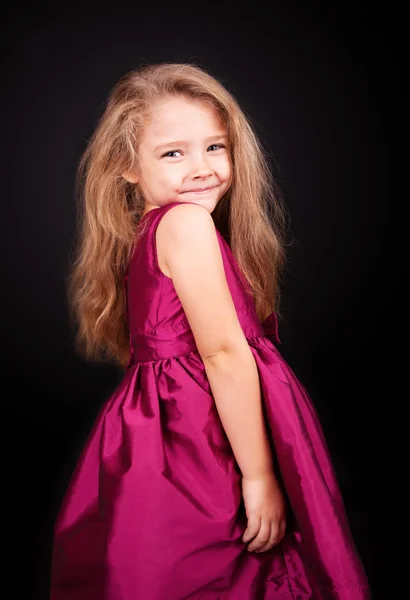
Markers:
point(154, 509)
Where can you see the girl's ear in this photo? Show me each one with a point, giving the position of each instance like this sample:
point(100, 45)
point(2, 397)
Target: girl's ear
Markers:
point(130, 177)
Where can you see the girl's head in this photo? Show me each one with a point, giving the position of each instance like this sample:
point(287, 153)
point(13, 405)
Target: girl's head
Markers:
point(182, 154)
point(169, 131)
point(163, 103)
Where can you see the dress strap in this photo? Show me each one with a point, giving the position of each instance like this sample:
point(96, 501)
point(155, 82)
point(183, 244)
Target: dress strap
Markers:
point(270, 327)
point(131, 355)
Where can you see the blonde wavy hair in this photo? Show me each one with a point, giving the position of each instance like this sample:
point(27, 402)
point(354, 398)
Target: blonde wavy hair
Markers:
point(251, 215)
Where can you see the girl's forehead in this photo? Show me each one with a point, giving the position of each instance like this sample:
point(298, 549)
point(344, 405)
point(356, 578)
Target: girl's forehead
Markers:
point(173, 112)
point(177, 115)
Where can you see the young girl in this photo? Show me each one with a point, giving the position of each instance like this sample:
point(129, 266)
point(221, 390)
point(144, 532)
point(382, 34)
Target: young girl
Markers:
point(206, 475)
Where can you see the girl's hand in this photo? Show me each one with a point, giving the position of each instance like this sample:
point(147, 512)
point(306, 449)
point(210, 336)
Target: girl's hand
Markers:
point(265, 509)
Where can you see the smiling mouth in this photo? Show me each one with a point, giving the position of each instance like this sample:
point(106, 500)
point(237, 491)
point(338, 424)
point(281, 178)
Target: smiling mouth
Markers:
point(199, 190)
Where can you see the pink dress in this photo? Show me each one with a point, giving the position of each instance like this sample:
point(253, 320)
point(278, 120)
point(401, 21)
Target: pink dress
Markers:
point(154, 508)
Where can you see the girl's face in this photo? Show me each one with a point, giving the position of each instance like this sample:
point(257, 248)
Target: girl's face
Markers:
point(183, 155)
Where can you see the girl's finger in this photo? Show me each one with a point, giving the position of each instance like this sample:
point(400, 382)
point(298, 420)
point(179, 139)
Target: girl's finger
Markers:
point(279, 533)
point(268, 545)
point(282, 530)
point(252, 529)
point(262, 538)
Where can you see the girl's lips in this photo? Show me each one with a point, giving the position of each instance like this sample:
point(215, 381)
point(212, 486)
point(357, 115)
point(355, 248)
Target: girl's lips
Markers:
point(199, 190)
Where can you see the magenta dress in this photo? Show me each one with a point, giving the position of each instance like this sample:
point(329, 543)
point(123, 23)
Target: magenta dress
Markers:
point(154, 508)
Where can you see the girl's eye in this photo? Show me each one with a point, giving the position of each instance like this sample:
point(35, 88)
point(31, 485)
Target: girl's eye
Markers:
point(167, 154)
point(217, 146)
point(170, 152)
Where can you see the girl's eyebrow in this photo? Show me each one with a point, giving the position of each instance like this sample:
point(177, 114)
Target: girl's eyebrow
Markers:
point(213, 138)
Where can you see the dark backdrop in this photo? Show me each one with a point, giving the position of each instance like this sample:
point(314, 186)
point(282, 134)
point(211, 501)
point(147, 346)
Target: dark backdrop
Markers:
point(322, 90)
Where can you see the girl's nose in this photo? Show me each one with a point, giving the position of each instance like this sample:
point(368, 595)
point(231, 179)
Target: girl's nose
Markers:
point(200, 168)
point(201, 173)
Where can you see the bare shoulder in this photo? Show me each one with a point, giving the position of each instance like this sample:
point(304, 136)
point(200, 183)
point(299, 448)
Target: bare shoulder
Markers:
point(183, 217)
point(178, 225)
point(189, 250)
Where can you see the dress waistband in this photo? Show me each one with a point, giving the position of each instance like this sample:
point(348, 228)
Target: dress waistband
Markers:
point(166, 344)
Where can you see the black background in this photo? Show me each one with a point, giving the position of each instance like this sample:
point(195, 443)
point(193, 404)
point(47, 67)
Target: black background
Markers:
point(323, 88)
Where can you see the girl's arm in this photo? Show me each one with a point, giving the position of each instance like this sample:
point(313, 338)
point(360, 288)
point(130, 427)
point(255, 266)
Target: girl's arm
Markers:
point(187, 243)
point(233, 377)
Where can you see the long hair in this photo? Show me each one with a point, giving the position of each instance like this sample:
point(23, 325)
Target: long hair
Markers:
point(251, 215)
